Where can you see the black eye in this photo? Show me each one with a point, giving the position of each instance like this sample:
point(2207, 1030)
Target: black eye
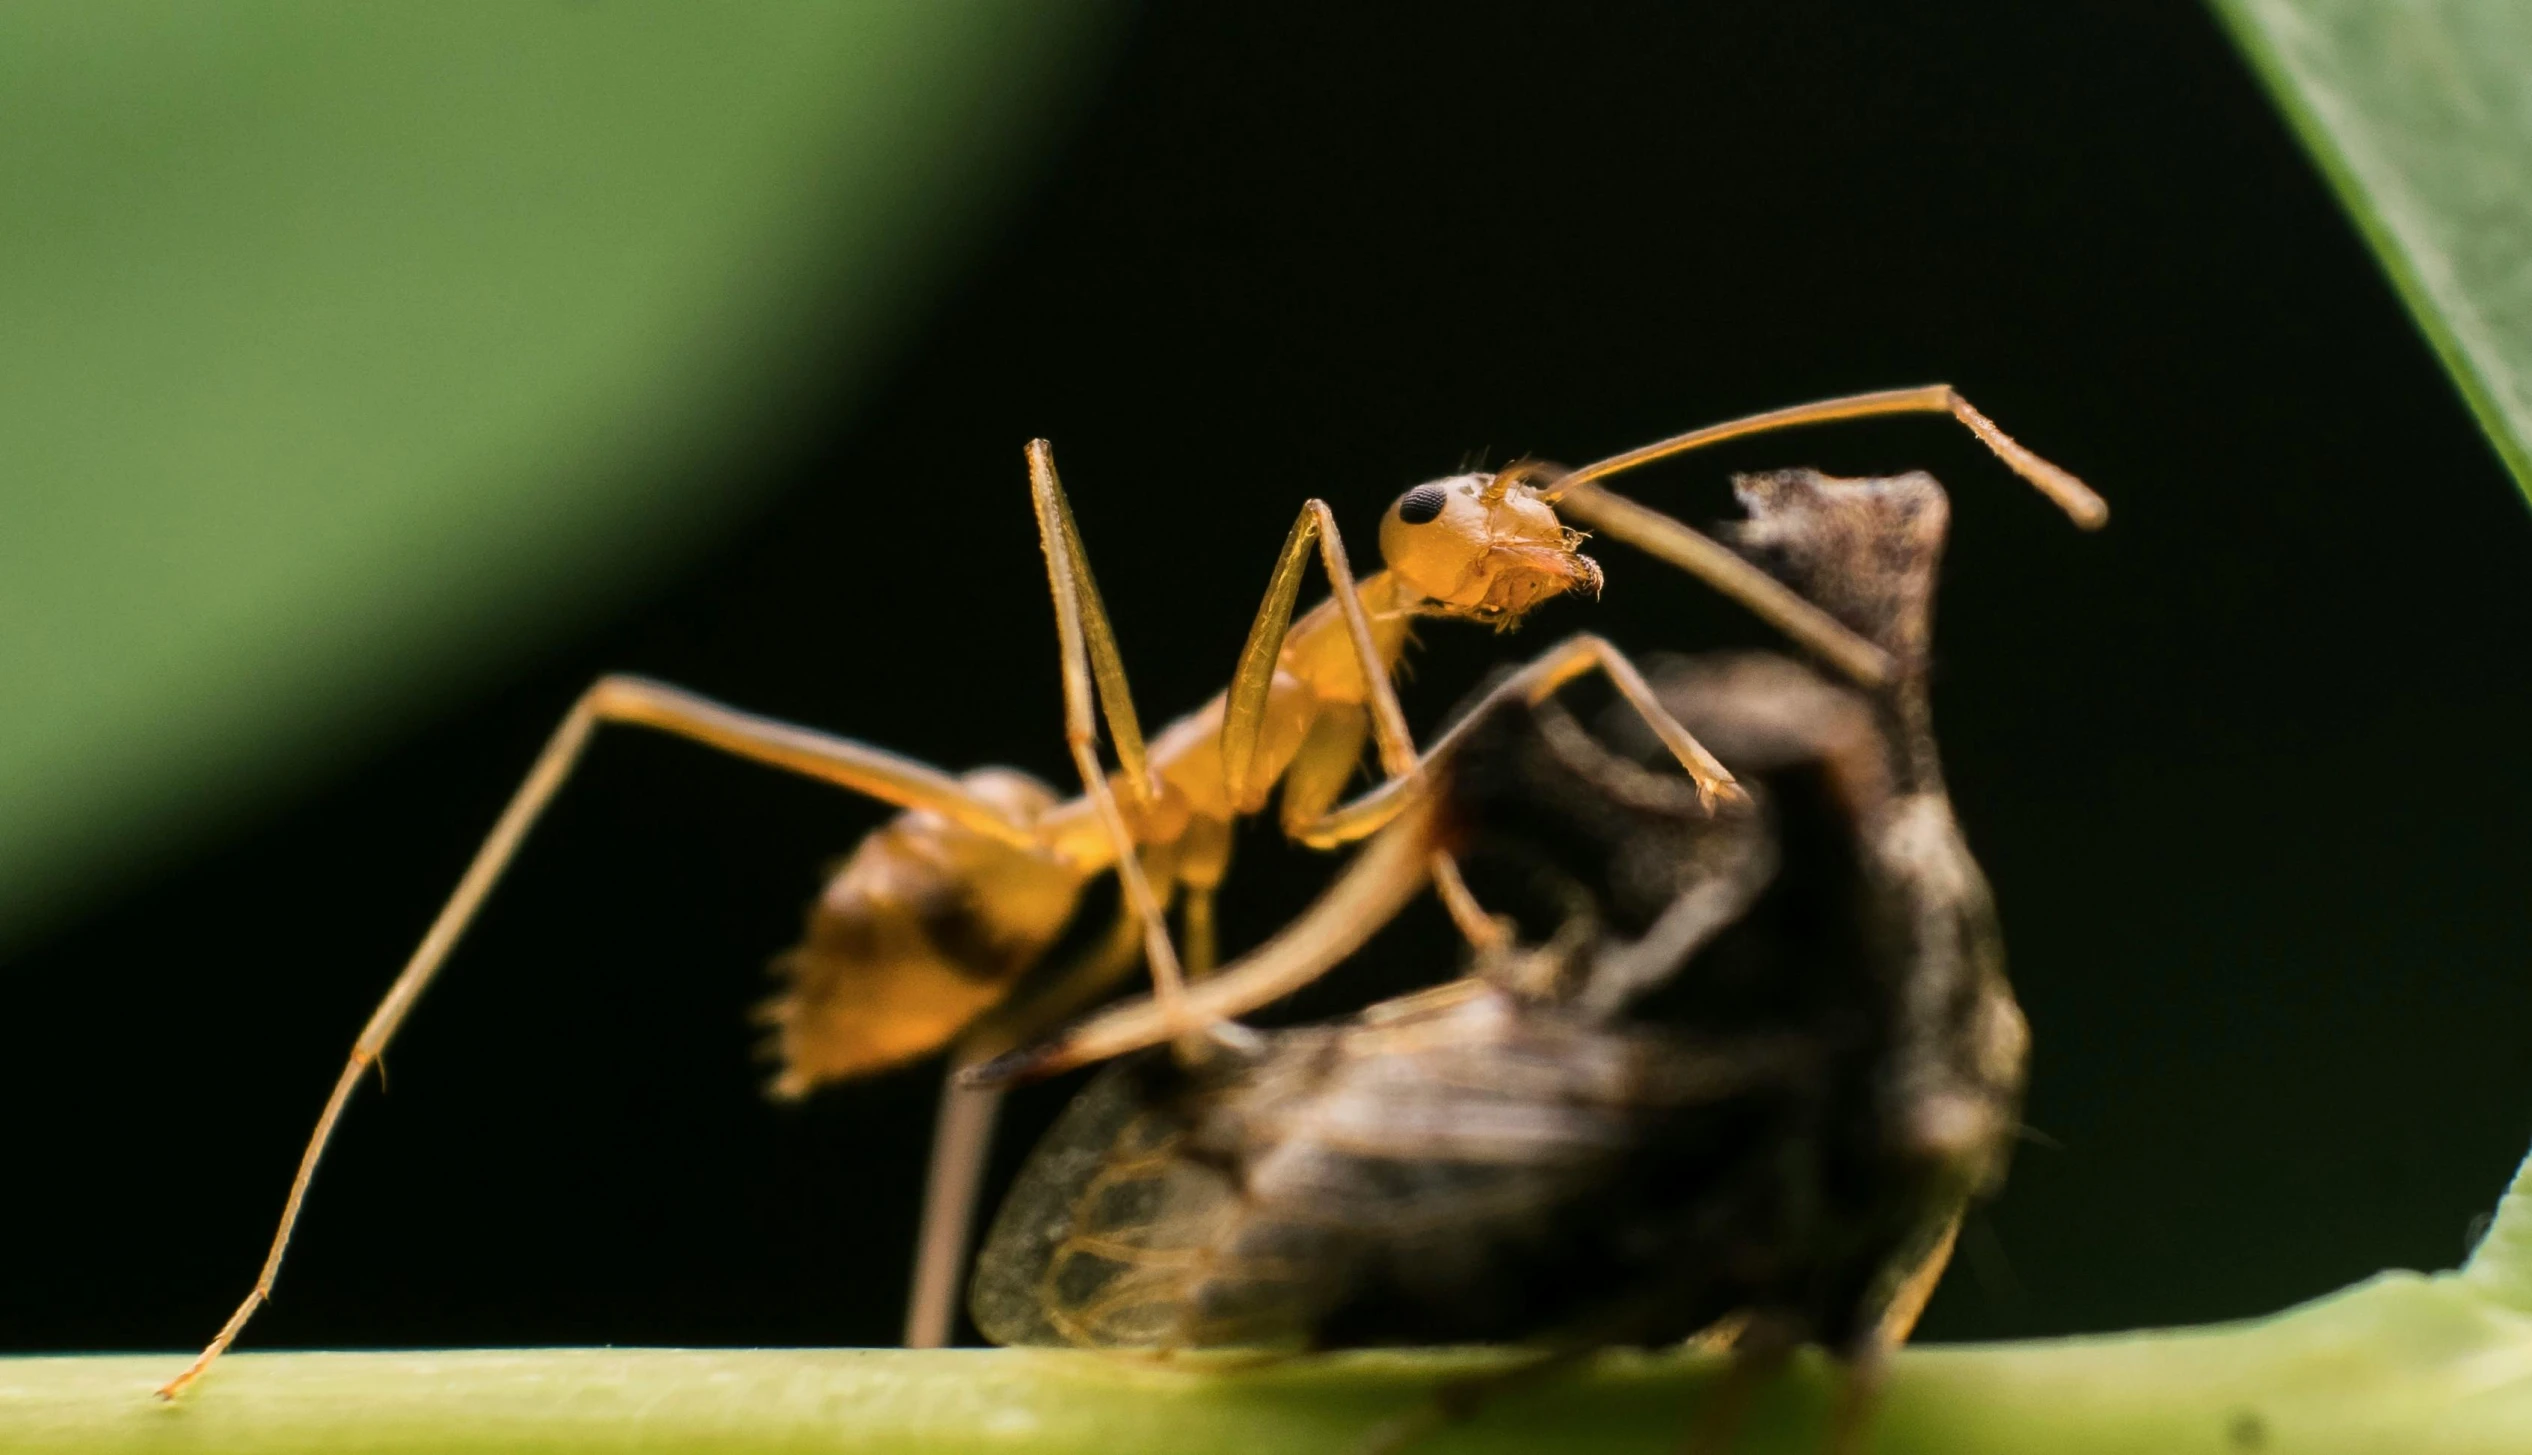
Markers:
point(1422, 504)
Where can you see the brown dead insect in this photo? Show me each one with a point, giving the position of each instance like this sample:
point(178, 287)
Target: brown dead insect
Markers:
point(923, 936)
point(1743, 1083)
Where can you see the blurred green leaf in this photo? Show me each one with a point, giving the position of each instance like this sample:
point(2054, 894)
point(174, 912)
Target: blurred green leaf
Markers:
point(2420, 112)
point(348, 349)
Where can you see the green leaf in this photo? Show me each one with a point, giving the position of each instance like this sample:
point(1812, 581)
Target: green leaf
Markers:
point(2420, 112)
point(349, 350)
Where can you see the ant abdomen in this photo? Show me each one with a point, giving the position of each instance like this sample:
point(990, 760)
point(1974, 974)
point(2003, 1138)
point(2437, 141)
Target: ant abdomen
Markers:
point(924, 928)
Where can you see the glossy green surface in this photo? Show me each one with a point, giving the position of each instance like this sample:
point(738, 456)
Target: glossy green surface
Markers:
point(2420, 112)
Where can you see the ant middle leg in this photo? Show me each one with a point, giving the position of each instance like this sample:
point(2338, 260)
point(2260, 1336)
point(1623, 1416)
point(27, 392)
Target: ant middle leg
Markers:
point(1408, 839)
point(962, 1137)
point(1534, 682)
point(962, 1131)
point(1093, 669)
point(1203, 855)
point(1094, 684)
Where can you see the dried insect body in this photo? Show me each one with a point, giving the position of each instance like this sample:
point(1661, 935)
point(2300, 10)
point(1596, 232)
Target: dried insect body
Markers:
point(1751, 1069)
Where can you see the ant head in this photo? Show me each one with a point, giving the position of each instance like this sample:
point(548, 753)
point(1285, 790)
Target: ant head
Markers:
point(1485, 545)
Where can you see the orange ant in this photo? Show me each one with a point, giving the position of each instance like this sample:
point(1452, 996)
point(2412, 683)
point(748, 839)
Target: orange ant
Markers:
point(1738, 1087)
point(923, 934)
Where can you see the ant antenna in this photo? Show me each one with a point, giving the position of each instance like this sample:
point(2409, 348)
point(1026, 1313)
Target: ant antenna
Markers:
point(2070, 494)
point(1519, 472)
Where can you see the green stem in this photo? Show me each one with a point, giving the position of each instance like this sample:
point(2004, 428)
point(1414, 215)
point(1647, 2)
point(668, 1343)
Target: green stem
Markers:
point(2417, 1364)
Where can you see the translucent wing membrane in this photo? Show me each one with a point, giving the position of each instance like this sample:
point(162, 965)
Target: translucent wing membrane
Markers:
point(1111, 1231)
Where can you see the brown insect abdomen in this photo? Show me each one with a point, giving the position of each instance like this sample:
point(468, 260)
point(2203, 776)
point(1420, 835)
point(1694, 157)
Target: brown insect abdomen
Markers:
point(922, 930)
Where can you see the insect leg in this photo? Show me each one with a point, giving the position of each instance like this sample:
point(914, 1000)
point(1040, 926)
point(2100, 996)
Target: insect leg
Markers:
point(1389, 872)
point(1244, 707)
point(1482, 930)
point(1372, 889)
point(1863, 1366)
point(962, 1135)
point(1090, 653)
point(1203, 861)
point(1195, 925)
point(1312, 786)
point(1535, 682)
point(1092, 666)
point(1324, 764)
point(1244, 712)
point(1398, 758)
point(888, 777)
point(1710, 561)
point(1914, 1283)
point(628, 700)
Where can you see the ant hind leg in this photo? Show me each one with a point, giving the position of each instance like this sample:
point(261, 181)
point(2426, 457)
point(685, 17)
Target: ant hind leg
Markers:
point(631, 701)
point(962, 1133)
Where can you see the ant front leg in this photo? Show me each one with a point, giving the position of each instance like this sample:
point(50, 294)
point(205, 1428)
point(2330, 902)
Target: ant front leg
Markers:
point(626, 700)
point(1249, 701)
point(1535, 682)
point(1407, 846)
point(1334, 739)
point(1095, 682)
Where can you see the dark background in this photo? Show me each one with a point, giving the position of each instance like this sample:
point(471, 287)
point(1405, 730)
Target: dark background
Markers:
point(2246, 768)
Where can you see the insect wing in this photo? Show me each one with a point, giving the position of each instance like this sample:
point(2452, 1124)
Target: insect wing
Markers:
point(1115, 1238)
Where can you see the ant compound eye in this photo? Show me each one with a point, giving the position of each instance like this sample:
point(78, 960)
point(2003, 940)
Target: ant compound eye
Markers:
point(1422, 504)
